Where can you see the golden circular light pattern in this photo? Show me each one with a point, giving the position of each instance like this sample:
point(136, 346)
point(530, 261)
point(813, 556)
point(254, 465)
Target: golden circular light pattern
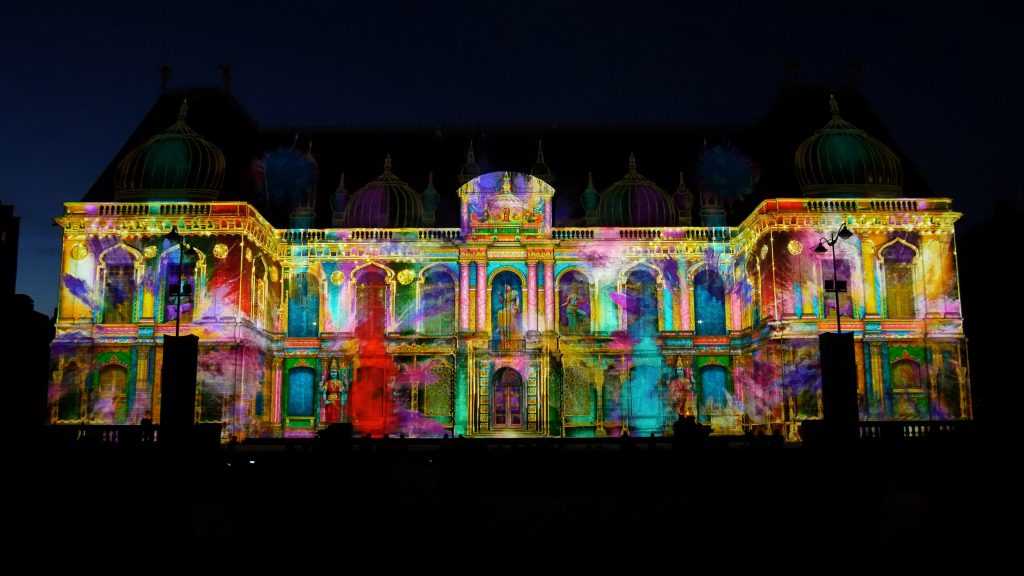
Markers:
point(79, 251)
point(220, 251)
point(149, 252)
point(406, 276)
point(248, 254)
point(795, 247)
point(337, 277)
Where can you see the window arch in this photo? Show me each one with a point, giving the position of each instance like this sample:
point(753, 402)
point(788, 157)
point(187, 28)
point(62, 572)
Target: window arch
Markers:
point(641, 302)
point(371, 302)
point(304, 305)
point(180, 268)
point(507, 305)
point(898, 260)
point(574, 303)
point(119, 275)
point(109, 399)
point(709, 302)
point(437, 301)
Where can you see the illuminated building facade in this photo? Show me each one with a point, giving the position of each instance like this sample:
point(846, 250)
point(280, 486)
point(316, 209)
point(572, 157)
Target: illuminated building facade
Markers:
point(314, 309)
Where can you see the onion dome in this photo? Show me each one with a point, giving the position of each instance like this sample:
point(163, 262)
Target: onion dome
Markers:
point(842, 161)
point(470, 169)
point(338, 201)
point(636, 201)
point(386, 202)
point(176, 164)
point(540, 169)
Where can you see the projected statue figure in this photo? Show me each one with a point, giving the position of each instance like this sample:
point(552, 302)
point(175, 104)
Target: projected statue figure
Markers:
point(509, 312)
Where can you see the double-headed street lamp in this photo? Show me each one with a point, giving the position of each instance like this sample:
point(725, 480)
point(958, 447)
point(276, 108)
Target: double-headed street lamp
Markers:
point(176, 238)
point(838, 286)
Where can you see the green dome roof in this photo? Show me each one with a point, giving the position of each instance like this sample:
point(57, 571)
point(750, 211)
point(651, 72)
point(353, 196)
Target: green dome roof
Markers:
point(841, 160)
point(177, 164)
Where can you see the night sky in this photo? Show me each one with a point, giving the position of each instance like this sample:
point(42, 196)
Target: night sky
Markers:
point(77, 79)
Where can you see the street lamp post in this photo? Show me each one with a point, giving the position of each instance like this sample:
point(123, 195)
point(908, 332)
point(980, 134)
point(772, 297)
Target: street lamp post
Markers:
point(844, 233)
point(175, 237)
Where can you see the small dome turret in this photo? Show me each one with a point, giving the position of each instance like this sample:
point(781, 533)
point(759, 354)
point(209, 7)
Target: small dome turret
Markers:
point(841, 160)
point(175, 165)
point(636, 201)
point(386, 202)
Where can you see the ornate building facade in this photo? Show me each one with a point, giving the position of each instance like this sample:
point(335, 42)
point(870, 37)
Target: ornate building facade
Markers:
point(518, 319)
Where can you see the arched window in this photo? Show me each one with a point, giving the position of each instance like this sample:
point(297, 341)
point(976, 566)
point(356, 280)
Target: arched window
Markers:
point(371, 303)
point(573, 304)
point(304, 306)
point(641, 303)
point(301, 384)
point(709, 303)
point(437, 302)
point(69, 406)
point(118, 287)
point(109, 397)
point(898, 259)
point(179, 285)
point(507, 308)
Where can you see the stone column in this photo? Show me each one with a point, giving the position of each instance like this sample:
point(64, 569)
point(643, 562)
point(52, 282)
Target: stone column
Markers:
point(684, 301)
point(549, 295)
point(531, 296)
point(481, 296)
point(276, 374)
point(464, 296)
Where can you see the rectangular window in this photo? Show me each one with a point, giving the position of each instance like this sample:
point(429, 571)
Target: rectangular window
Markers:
point(842, 273)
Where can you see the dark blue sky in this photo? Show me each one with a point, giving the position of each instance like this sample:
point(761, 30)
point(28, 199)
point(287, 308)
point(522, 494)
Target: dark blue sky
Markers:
point(77, 78)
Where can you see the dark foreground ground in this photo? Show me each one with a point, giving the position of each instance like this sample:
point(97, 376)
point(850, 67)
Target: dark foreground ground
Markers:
point(502, 506)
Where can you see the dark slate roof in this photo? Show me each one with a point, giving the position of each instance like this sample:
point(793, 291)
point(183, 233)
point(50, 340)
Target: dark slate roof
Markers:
point(571, 151)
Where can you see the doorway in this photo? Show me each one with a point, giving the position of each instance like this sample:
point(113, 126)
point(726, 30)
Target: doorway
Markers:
point(507, 399)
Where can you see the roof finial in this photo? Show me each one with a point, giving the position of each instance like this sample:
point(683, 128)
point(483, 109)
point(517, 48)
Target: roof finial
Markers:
point(682, 181)
point(341, 182)
point(833, 104)
point(295, 141)
point(430, 180)
point(590, 179)
point(540, 151)
point(309, 150)
point(387, 163)
point(165, 76)
point(470, 157)
point(183, 111)
point(632, 162)
point(506, 183)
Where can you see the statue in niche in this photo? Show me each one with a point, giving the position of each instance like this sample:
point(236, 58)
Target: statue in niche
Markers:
point(680, 390)
point(575, 305)
point(334, 393)
point(509, 314)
